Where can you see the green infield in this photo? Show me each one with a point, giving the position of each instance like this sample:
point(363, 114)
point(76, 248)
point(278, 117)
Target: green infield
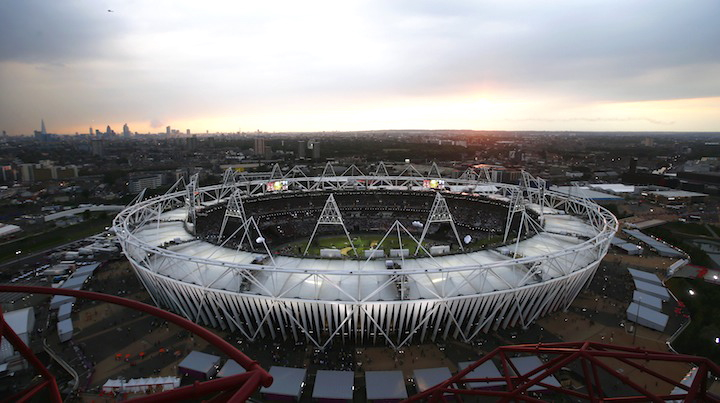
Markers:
point(365, 242)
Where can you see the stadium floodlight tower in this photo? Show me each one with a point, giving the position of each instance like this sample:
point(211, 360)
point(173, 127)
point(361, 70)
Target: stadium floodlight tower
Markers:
point(330, 216)
point(439, 213)
point(234, 209)
point(191, 193)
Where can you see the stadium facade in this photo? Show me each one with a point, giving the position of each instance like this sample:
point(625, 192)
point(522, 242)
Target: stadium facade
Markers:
point(394, 299)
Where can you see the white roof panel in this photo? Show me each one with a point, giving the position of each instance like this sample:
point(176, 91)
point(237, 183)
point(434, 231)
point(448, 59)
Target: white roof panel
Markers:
point(334, 385)
point(385, 385)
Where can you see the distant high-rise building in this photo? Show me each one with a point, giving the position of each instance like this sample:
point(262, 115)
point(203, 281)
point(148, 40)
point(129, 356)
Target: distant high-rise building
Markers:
point(168, 130)
point(92, 132)
point(314, 145)
point(260, 146)
point(301, 149)
point(126, 130)
point(42, 135)
point(109, 132)
point(187, 131)
point(633, 165)
point(98, 147)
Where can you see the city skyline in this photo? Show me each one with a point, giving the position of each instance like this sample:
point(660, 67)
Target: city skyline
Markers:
point(324, 66)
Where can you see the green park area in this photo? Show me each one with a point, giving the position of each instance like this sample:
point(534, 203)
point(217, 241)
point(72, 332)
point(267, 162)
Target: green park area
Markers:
point(702, 301)
point(51, 238)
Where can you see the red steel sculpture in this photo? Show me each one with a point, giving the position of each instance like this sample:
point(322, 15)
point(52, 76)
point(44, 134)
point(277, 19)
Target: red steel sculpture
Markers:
point(236, 388)
point(595, 359)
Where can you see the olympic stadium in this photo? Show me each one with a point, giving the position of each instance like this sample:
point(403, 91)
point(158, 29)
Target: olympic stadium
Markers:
point(369, 257)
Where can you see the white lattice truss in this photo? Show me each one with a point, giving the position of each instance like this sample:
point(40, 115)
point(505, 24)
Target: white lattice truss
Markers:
point(439, 213)
point(320, 300)
point(330, 215)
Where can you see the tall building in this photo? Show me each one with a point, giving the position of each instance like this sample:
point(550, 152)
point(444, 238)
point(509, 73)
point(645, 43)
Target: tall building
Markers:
point(42, 135)
point(109, 132)
point(301, 149)
point(260, 146)
point(92, 132)
point(168, 130)
point(126, 130)
point(98, 148)
point(46, 170)
point(314, 145)
point(149, 181)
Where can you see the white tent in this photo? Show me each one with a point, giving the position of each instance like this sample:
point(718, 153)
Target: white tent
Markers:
point(58, 300)
point(652, 289)
point(527, 364)
point(22, 322)
point(65, 330)
point(230, 368)
point(647, 317)
point(334, 385)
point(287, 382)
point(485, 370)
point(65, 311)
point(385, 385)
point(199, 364)
point(647, 300)
point(645, 276)
point(429, 377)
point(112, 385)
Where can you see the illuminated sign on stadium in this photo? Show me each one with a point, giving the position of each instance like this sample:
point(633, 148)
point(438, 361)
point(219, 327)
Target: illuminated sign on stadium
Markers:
point(434, 183)
point(277, 186)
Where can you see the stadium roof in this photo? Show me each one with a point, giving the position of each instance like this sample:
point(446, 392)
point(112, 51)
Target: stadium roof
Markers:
point(564, 231)
point(584, 192)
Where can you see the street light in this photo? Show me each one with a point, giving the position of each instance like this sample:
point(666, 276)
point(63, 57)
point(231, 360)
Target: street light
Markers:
point(691, 292)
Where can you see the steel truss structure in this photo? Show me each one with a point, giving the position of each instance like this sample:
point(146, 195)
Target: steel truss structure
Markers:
point(598, 363)
point(321, 300)
point(235, 388)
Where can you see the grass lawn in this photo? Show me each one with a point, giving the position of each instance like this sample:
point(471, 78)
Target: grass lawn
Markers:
point(687, 228)
point(52, 238)
point(368, 241)
point(704, 308)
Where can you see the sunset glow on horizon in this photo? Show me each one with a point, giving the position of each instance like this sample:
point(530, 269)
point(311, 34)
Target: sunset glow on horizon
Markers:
point(283, 66)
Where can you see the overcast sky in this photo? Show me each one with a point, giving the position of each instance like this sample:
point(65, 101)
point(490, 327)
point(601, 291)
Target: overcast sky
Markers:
point(278, 65)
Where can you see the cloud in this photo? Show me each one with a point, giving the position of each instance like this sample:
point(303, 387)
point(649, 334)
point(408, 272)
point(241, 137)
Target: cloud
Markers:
point(37, 31)
point(598, 120)
point(188, 59)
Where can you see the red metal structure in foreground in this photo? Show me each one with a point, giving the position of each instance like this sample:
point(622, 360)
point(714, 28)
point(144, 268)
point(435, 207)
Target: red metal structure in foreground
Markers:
point(596, 361)
point(236, 388)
